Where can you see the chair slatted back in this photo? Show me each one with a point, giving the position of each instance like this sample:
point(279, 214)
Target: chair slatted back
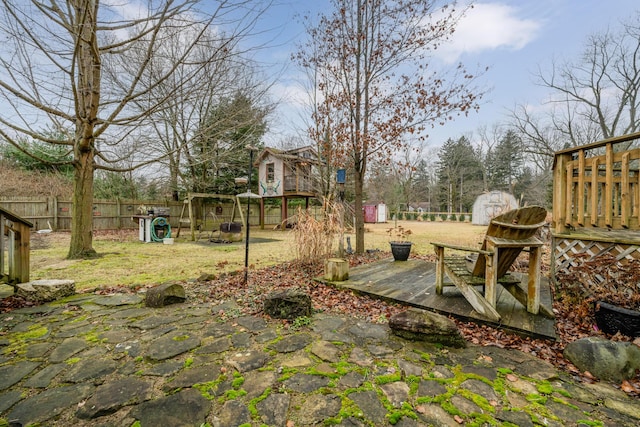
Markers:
point(518, 224)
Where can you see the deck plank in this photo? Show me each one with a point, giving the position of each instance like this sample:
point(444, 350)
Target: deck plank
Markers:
point(412, 283)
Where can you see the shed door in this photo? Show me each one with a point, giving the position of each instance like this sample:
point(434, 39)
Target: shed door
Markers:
point(382, 213)
point(369, 213)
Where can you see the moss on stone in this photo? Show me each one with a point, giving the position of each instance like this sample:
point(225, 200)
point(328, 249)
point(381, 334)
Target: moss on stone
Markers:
point(18, 340)
point(544, 388)
point(238, 380)
point(253, 403)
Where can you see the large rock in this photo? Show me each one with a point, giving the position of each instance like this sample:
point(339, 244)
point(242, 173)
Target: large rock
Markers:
point(419, 325)
point(607, 360)
point(165, 294)
point(46, 290)
point(288, 304)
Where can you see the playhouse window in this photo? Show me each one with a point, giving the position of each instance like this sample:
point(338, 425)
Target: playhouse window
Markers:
point(271, 172)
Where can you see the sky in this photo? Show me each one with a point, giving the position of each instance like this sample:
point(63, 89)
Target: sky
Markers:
point(514, 38)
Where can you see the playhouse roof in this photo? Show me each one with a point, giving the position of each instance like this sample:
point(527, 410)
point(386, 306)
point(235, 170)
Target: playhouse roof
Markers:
point(306, 153)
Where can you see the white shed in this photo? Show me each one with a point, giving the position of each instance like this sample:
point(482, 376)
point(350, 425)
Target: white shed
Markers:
point(489, 205)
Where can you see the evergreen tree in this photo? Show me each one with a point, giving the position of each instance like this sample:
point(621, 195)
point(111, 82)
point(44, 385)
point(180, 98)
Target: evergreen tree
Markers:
point(44, 157)
point(219, 153)
point(507, 163)
point(423, 183)
point(459, 176)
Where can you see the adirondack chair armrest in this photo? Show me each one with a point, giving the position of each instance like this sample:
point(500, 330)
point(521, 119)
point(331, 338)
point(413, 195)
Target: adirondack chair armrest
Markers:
point(514, 243)
point(461, 248)
point(519, 226)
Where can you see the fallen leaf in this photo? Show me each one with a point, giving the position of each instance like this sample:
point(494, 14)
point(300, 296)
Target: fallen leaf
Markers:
point(512, 378)
point(291, 424)
point(421, 409)
point(627, 387)
point(458, 419)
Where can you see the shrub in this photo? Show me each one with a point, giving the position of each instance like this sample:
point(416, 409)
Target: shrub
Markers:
point(314, 238)
point(443, 216)
point(432, 217)
point(398, 234)
point(461, 217)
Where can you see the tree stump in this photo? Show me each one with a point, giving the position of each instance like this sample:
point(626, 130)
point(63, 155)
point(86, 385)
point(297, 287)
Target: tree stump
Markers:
point(336, 270)
point(288, 304)
point(165, 294)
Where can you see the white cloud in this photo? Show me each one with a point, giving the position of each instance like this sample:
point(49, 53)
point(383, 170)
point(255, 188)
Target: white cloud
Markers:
point(126, 10)
point(489, 26)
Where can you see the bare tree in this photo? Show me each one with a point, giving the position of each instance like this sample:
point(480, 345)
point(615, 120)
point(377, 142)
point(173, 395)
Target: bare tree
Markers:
point(375, 55)
point(396, 182)
point(594, 97)
point(320, 122)
point(187, 100)
point(67, 65)
point(204, 109)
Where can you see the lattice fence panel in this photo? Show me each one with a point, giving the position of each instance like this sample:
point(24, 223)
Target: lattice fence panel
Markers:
point(565, 250)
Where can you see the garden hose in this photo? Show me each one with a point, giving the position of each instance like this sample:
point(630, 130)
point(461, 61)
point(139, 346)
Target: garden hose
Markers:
point(160, 222)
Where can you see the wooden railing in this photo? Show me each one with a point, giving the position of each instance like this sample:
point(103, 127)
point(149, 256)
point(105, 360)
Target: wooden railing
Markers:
point(298, 184)
point(15, 235)
point(598, 185)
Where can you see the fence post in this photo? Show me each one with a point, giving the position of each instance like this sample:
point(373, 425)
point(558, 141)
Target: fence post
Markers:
point(118, 209)
point(560, 193)
point(608, 189)
point(56, 224)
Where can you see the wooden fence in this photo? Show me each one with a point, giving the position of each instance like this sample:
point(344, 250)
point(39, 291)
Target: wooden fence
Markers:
point(54, 213)
point(598, 185)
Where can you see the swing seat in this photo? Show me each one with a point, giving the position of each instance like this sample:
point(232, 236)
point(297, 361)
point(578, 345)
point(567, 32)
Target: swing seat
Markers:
point(231, 227)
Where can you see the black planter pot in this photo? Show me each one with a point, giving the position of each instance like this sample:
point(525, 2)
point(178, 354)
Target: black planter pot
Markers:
point(400, 250)
point(612, 319)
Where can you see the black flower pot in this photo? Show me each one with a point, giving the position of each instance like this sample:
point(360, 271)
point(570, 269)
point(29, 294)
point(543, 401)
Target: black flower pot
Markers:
point(400, 250)
point(612, 319)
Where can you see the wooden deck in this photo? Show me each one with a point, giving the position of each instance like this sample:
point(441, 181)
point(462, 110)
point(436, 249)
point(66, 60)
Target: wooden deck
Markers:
point(627, 236)
point(412, 282)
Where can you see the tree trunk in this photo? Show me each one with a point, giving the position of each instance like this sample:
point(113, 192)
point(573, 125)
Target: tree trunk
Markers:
point(359, 222)
point(82, 225)
point(173, 179)
point(88, 99)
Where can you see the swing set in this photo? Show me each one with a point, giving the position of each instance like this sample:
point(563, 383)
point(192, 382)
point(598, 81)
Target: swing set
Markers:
point(212, 219)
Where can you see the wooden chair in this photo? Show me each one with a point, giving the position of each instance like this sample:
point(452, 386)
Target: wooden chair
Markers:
point(507, 236)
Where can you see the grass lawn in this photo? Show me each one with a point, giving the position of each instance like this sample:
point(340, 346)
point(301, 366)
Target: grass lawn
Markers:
point(124, 260)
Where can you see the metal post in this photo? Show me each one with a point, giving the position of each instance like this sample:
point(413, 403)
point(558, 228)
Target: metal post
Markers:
point(341, 177)
point(246, 244)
